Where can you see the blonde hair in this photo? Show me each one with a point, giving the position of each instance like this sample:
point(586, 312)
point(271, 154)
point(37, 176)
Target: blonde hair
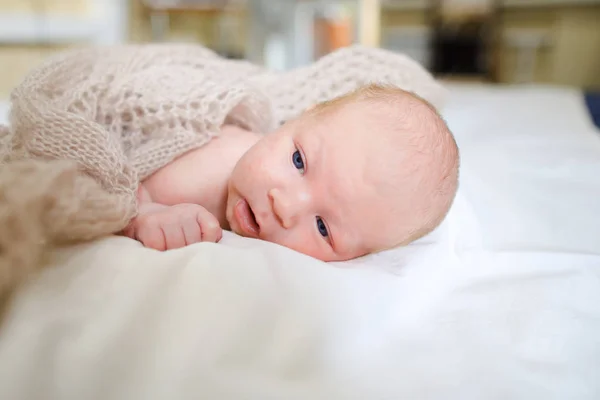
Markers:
point(438, 142)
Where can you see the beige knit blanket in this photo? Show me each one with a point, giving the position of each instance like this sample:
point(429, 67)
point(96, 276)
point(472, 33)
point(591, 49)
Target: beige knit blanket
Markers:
point(87, 126)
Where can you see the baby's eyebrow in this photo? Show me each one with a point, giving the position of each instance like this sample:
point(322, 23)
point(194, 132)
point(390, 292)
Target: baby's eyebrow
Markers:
point(311, 146)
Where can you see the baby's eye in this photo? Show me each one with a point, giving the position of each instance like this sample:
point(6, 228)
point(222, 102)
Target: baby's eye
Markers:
point(298, 161)
point(322, 227)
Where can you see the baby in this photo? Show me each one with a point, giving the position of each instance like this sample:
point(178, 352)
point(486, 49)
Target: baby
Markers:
point(366, 172)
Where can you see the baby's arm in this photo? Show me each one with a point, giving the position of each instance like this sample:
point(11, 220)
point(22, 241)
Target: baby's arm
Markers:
point(164, 227)
point(171, 197)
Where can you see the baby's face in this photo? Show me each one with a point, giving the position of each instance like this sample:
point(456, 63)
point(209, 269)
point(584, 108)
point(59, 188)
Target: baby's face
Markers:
point(313, 186)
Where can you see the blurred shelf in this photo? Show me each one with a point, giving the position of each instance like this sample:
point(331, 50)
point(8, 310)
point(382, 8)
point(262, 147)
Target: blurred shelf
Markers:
point(183, 7)
point(405, 5)
point(411, 5)
point(105, 23)
point(30, 28)
point(160, 12)
point(547, 3)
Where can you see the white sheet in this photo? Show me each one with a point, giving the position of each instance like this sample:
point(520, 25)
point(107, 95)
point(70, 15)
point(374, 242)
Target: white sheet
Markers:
point(251, 320)
point(531, 166)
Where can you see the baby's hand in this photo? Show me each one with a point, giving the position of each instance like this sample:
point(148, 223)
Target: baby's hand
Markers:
point(171, 227)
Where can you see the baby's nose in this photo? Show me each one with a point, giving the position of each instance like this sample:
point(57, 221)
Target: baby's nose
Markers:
point(288, 206)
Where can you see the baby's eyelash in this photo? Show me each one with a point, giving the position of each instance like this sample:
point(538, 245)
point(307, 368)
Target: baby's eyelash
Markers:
point(322, 228)
point(298, 161)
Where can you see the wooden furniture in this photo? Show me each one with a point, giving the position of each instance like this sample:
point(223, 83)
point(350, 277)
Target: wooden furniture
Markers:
point(277, 33)
point(533, 41)
point(464, 40)
point(160, 11)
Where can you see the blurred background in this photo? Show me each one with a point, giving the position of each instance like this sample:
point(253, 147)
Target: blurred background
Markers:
point(504, 41)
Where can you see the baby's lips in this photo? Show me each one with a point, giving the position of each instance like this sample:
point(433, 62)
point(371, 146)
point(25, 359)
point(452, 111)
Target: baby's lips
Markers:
point(245, 219)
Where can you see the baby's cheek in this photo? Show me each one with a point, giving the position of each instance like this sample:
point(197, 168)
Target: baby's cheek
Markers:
point(256, 170)
point(304, 242)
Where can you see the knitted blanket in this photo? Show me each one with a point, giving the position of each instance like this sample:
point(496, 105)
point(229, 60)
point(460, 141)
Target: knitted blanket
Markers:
point(88, 125)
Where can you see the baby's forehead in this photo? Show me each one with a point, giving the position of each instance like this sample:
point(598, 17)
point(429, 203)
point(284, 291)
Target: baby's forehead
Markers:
point(381, 115)
point(365, 130)
point(380, 147)
point(382, 133)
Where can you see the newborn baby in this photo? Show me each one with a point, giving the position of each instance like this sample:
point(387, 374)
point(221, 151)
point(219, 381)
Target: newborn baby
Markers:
point(366, 172)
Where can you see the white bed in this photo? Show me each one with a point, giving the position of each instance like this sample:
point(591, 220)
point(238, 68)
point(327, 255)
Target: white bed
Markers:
point(502, 302)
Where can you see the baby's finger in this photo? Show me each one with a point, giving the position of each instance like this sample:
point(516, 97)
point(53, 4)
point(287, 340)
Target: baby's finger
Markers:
point(212, 235)
point(211, 230)
point(191, 231)
point(174, 236)
point(151, 237)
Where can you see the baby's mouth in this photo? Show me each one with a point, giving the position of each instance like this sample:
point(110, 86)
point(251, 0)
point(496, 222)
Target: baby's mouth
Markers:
point(253, 218)
point(246, 218)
